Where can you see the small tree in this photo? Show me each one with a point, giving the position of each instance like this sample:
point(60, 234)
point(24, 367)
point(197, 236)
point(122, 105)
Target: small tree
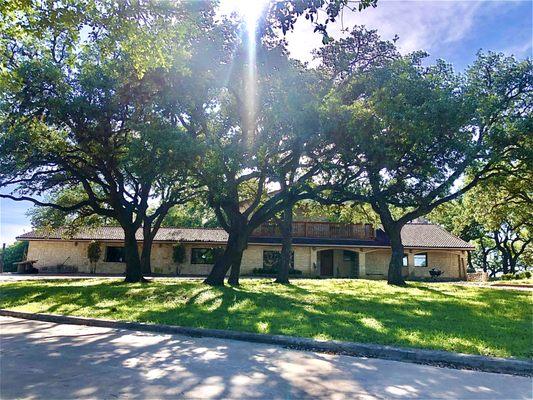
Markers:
point(93, 254)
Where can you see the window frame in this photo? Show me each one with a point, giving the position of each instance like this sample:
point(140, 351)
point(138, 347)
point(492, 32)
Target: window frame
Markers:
point(425, 255)
point(120, 252)
point(405, 260)
point(349, 255)
point(194, 260)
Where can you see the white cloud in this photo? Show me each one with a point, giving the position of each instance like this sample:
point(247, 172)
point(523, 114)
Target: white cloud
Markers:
point(420, 25)
point(521, 49)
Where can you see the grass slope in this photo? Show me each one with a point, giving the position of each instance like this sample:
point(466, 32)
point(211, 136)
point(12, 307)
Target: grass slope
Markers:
point(436, 316)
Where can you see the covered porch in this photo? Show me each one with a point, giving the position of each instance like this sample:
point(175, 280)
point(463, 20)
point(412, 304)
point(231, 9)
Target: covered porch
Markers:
point(338, 263)
point(372, 263)
point(352, 262)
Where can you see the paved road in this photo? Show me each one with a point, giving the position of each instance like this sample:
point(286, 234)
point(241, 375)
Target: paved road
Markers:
point(45, 360)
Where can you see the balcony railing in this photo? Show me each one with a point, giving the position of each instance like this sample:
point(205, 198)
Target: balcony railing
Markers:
point(330, 230)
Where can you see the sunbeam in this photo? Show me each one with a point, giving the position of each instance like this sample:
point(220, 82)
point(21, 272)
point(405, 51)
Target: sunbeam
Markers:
point(251, 12)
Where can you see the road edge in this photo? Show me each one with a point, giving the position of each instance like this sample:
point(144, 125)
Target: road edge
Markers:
point(419, 356)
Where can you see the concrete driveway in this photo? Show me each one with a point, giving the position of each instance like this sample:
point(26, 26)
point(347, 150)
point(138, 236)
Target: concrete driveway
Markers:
point(52, 361)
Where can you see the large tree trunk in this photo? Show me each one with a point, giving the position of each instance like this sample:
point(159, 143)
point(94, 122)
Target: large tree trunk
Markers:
point(235, 272)
point(394, 276)
point(505, 261)
point(131, 255)
point(512, 265)
point(503, 251)
point(469, 260)
point(484, 253)
point(286, 246)
point(146, 252)
point(150, 229)
point(232, 255)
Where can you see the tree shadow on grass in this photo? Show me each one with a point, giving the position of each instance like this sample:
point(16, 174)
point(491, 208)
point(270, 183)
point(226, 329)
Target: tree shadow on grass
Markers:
point(480, 321)
point(348, 318)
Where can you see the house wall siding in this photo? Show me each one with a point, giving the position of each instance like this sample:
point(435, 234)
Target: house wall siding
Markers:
point(306, 259)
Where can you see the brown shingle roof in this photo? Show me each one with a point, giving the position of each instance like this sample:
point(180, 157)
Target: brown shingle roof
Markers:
point(117, 233)
point(431, 236)
point(414, 235)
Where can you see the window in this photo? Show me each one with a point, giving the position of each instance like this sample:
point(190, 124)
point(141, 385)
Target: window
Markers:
point(202, 256)
point(348, 255)
point(272, 259)
point(114, 254)
point(405, 260)
point(421, 260)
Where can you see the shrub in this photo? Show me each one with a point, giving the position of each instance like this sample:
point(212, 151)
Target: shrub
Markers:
point(178, 253)
point(93, 254)
point(94, 251)
point(522, 275)
point(13, 254)
point(518, 275)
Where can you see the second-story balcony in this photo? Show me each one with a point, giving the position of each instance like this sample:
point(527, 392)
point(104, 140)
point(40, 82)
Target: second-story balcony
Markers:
point(330, 230)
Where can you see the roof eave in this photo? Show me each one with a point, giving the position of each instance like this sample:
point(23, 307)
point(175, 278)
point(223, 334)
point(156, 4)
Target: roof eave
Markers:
point(369, 245)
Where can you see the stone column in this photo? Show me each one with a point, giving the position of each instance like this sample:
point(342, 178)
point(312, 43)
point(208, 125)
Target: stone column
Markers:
point(314, 262)
point(362, 264)
point(411, 263)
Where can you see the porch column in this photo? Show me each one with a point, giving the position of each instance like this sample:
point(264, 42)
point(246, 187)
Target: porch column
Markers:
point(411, 262)
point(314, 262)
point(362, 264)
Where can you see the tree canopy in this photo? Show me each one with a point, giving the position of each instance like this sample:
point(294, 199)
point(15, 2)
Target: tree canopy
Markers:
point(144, 114)
point(407, 134)
point(91, 120)
point(496, 215)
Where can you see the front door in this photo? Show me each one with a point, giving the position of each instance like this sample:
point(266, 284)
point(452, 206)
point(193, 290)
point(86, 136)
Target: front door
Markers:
point(326, 263)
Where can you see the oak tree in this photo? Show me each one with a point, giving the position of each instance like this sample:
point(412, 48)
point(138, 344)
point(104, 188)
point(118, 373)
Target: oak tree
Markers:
point(407, 135)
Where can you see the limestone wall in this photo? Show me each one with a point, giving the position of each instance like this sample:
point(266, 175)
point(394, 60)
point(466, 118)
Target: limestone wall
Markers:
point(306, 258)
point(448, 262)
point(377, 263)
point(54, 253)
point(253, 258)
point(51, 254)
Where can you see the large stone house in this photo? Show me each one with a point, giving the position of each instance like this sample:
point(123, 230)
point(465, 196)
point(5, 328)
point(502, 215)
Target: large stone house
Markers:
point(320, 249)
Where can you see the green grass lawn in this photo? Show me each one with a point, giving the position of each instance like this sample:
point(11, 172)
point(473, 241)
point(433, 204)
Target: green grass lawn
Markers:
point(437, 316)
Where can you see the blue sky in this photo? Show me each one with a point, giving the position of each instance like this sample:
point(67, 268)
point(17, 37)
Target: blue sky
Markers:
point(451, 30)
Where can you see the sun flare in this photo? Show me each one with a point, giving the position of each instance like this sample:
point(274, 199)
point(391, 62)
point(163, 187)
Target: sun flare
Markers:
point(250, 10)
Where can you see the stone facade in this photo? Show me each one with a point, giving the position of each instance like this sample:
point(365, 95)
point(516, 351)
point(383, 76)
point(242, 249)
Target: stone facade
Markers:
point(477, 277)
point(368, 263)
